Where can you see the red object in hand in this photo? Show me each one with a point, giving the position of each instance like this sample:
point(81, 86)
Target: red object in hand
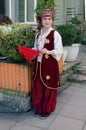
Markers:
point(28, 53)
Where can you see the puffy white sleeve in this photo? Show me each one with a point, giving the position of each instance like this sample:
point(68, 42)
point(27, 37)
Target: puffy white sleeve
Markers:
point(58, 47)
point(35, 44)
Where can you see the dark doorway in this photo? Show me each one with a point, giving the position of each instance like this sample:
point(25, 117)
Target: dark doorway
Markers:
point(2, 7)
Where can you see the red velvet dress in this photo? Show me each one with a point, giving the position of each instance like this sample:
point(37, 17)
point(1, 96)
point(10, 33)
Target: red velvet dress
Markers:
point(46, 81)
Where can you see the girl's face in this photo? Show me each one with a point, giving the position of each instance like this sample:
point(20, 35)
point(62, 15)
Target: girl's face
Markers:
point(47, 22)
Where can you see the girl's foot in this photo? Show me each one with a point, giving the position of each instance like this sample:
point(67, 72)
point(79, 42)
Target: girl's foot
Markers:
point(43, 116)
point(36, 114)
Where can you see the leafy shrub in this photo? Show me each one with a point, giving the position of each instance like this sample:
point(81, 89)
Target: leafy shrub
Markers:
point(12, 36)
point(79, 36)
point(68, 33)
point(75, 21)
point(42, 4)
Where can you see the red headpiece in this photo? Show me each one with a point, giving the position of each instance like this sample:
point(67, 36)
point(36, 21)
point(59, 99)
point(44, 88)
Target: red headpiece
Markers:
point(47, 13)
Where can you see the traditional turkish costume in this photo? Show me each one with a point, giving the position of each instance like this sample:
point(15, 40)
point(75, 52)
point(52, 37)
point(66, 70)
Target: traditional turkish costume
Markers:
point(46, 78)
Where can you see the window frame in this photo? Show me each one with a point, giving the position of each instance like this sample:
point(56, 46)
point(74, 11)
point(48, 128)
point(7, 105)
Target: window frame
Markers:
point(25, 11)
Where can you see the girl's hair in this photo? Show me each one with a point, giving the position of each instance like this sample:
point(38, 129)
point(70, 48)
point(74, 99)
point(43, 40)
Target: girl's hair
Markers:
point(5, 20)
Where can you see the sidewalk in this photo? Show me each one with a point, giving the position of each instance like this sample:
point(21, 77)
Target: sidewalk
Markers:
point(70, 112)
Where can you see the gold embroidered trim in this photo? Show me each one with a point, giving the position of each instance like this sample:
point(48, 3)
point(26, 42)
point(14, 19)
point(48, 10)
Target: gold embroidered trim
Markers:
point(36, 71)
point(48, 77)
point(43, 81)
point(46, 56)
point(47, 41)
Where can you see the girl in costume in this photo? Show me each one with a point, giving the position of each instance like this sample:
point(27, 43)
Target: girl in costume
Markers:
point(46, 77)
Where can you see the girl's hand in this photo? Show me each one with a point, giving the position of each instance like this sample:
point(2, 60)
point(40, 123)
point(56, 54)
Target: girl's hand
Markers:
point(44, 51)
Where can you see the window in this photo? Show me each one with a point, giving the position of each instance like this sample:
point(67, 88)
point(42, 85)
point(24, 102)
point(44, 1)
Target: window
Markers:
point(22, 10)
point(26, 11)
point(2, 7)
point(85, 10)
point(30, 10)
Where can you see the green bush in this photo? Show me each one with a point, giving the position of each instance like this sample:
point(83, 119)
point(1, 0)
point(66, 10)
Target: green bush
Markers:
point(79, 36)
point(68, 33)
point(11, 37)
point(76, 23)
point(42, 4)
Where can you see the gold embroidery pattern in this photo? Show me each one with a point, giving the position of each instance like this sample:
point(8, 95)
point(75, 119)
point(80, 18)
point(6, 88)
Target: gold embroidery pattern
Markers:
point(36, 72)
point(44, 82)
point(47, 77)
point(46, 56)
point(47, 41)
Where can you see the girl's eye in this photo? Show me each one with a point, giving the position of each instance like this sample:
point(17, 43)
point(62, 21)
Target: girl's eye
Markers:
point(49, 19)
point(45, 18)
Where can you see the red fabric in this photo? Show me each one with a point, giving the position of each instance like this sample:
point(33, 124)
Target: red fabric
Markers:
point(28, 53)
point(49, 67)
point(43, 98)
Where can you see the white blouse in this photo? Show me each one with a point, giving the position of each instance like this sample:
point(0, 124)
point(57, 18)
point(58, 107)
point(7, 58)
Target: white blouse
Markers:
point(40, 41)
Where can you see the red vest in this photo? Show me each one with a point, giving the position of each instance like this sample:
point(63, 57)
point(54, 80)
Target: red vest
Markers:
point(49, 70)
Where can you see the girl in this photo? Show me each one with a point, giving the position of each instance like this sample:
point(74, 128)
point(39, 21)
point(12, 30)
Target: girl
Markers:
point(46, 78)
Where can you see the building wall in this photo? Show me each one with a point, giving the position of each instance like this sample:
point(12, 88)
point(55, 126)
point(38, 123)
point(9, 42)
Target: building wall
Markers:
point(75, 8)
point(65, 10)
point(60, 11)
point(85, 9)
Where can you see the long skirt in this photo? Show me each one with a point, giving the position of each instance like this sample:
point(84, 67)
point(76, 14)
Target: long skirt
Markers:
point(43, 98)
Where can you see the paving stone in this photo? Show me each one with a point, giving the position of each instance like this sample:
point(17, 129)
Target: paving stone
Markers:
point(65, 123)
